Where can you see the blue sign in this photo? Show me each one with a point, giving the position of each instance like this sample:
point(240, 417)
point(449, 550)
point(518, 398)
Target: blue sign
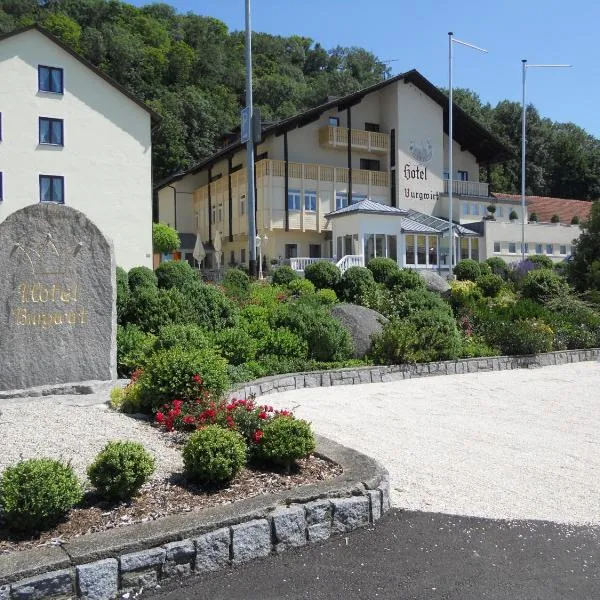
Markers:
point(245, 130)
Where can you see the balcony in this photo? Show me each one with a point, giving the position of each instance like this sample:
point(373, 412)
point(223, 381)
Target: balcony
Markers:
point(468, 188)
point(368, 141)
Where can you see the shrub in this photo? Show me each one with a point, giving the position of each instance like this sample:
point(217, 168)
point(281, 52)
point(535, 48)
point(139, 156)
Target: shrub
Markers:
point(122, 294)
point(575, 322)
point(513, 216)
point(540, 261)
point(301, 287)
point(37, 493)
point(575, 220)
point(151, 309)
point(406, 279)
point(170, 374)
point(554, 219)
point(485, 268)
point(528, 336)
point(236, 345)
point(412, 301)
point(208, 307)
point(133, 347)
point(533, 218)
point(464, 293)
point(284, 440)
point(164, 238)
point(120, 470)
point(355, 282)
point(184, 335)
point(383, 269)
point(474, 346)
point(268, 296)
point(323, 274)
point(467, 269)
point(175, 274)
point(543, 285)
point(283, 343)
point(490, 285)
point(236, 284)
point(498, 266)
point(283, 275)
point(327, 297)
point(141, 277)
point(255, 320)
point(214, 455)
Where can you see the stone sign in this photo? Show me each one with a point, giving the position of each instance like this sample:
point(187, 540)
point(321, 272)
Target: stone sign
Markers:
point(57, 299)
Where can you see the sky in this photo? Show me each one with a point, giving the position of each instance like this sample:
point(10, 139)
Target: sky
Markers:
point(415, 35)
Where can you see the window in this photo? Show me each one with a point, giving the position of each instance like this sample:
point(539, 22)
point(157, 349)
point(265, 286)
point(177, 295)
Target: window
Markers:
point(549, 248)
point(393, 188)
point(500, 211)
point(563, 249)
point(334, 121)
point(409, 241)
point(466, 208)
point(368, 164)
point(291, 250)
point(1, 188)
point(232, 257)
point(496, 246)
point(52, 188)
point(213, 216)
point(464, 248)
point(314, 250)
point(475, 208)
point(446, 175)
point(242, 207)
point(393, 148)
point(372, 127)
point(341, 200)
point(51, 131)
point(294, 199)
point(525, 248)
point(310, 201)
point(512, 247)
point(220, 213)
point(538, 249)
point(243, 255)
point(50, 79)
point(462, 175)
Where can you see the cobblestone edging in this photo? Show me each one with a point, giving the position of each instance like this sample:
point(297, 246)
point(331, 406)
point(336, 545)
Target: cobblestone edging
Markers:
point(379, 374)
point(99, 566)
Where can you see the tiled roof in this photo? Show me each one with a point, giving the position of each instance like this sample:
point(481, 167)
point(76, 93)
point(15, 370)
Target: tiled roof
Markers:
point(545, 207)
point(439, 225)
point(367, 206)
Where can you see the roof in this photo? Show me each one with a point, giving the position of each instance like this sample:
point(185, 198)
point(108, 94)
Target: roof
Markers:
point(467, 131)
point(412, 226)
point(545, 207)
point(154, 116)
point(439, 225)
point(368, 207)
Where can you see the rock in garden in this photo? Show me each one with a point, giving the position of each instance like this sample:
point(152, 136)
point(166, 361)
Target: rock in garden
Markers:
point(435, 282)
point(361, 323)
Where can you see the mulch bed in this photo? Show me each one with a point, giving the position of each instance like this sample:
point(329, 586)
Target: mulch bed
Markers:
point(161, 498)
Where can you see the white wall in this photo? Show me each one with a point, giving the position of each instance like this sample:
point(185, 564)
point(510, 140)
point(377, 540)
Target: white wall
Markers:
point(106, 158)
point(181, 216)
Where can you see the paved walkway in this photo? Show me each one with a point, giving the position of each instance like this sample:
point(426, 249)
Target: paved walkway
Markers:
point(521, 444)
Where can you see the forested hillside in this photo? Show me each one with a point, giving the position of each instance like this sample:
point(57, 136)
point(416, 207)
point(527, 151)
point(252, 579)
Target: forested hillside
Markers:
point(190, 69)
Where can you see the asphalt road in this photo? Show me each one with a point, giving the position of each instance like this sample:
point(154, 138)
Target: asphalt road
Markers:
point(417, 556)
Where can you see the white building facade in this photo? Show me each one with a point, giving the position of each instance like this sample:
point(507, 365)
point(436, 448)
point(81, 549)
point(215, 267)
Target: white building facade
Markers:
point(71, 135)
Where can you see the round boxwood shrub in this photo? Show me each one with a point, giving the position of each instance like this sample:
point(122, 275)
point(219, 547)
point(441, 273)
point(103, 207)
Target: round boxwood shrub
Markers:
point(236, 345)
point(169, 374)
point(186, 335)
point(208, 307)
point(283, 343)
point(283, 275)
point(214, 455)
point(490, 285)
point(301, 287)
point(175, 274)
point(498, 266)
point(355, 282)
point(467, 269)
point(323, 274)
point(133, 347)
point(541, 261)
point(528, 336)
point(141, 277)
point(120, 469)
point(406, 279)
point(327, 297)
point(237, 284)
point(150, 308)
point(285, 440)
point(382, 269)
point(37, 493)
point(542, 285)
point(164, 238)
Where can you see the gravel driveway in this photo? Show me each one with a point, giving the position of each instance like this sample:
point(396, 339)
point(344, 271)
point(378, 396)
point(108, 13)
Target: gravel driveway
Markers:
point(521, 444)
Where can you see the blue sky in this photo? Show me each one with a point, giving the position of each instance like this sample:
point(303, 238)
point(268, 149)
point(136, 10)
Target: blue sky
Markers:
point(551, 31)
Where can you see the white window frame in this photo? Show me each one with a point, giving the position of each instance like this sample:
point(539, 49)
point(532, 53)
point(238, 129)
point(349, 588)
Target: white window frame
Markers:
point(310, 195)
point(293, 200)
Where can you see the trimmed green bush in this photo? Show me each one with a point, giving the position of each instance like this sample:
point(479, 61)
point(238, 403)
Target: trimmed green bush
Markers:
point(467, 269)
point(214, 455)
point(255, 320)
point(498, 267)
point(237, 284)
point(355, 282)
point(169, 374)
point(120, 469)
point(323, 274)
point(554, 219)
point(283, 275)
point(301, 287)
point(185, 335)
point(122, 294)
point(141, 277)
point(151, 309)
point(543, 285)
point(528, 336)
point(164, 238)
point(327, 297)
point(541, 261)
point(133, 347)
point(283, 343)
point(175, 274)
point(490, 285)
point(383, 269)
point(208, 307)
point(36, 494)
point(575, 220)
point(406, 279)
point(284, 441)
point(236, 345)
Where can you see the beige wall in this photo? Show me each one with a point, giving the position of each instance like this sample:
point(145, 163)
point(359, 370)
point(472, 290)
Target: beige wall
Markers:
point(181, 217)
point(462, 160)
point(106, 157)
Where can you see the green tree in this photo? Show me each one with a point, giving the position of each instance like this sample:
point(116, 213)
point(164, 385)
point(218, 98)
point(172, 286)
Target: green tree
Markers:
point(584, 267)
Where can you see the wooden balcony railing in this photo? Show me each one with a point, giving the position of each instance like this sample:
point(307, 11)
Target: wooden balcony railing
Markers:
point(468, 188)
point(370, 141)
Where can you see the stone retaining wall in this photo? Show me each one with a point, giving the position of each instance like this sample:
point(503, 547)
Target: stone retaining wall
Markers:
point(99, 566)
point(378, 374)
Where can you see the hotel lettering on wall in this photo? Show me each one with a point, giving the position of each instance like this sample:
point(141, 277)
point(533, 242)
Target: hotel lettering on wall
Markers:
point(416, 172)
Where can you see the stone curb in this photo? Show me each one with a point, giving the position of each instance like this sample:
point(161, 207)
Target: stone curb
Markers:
point(99, 566)
point(379, 374)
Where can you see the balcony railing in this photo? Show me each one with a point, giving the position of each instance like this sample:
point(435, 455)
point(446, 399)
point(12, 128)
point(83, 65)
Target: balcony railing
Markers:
point(370, 141)
point(326, 173)
point(468, 188)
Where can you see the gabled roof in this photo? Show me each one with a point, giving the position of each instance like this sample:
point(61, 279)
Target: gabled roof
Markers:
point(412, 226)
point(545, 207)
point(440, 225)
point(368, 207)
point(467, 131)
point(154, 116)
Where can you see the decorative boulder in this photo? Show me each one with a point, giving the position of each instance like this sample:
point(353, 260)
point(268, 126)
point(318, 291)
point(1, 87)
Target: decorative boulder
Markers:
point(435, 282)
point(361, 323)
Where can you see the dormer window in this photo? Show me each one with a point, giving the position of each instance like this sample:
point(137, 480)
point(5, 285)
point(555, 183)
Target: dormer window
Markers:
point(50, 79)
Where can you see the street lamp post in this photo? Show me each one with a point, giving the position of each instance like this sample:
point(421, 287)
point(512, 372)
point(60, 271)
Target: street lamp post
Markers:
point(523, 145)
point(452, 40)
point(260, 240)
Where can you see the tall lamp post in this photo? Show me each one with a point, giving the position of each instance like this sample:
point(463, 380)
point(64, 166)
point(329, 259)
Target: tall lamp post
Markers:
point(452, 40)
point(523, 144)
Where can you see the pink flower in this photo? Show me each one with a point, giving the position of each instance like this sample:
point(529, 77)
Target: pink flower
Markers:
point(160, 417)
